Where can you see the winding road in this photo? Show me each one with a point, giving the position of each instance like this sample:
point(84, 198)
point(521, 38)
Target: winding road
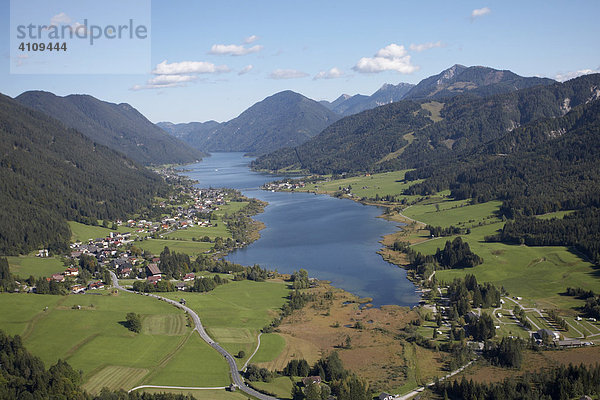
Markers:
point(235, 374)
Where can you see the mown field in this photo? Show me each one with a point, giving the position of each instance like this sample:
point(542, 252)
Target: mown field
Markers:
point(234, 313)
point(26, 266)
point(387, 183)
point(98, 343)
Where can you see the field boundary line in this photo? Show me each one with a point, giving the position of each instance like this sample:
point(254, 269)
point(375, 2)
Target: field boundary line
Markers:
point(252, 355)
point(176, 387)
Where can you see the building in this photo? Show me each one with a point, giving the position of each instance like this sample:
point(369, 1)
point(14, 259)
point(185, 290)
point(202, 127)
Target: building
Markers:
point(71, 272)
point(152, 269)
point(311, 379)
point(154, 279)
point(189, 277)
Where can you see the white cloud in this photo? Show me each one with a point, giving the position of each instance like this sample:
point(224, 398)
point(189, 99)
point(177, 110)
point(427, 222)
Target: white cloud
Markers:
point(251, 39)
point(246, 69)
point(480, 12)
point(189, 67)
point(390, 58)
point(165, 81)
point(425, 46)
point(60, 18)
point(561, 77)
point(168, 79)
point(287, 74)
point(234, 49)
point(331, 74)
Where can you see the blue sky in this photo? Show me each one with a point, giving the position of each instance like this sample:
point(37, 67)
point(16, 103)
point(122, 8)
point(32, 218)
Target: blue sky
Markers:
point(212, 60)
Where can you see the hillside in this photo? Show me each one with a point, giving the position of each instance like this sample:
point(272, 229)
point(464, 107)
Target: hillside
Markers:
point(402, 136)
point(117, 126)
point(285, 119)
point(192, 133)
point(50, 173)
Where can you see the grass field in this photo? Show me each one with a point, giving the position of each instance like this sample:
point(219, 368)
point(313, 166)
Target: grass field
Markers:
point(156, 246)
point(24, 266)
point(234, 313)
point(114, 377)
point(196, 364)
point(97, 342)
point(271, 346)
point(281, 387)
point(20, 312)
point(81, 232)
point(164, 324)
point(537, 273)
point(386, 183)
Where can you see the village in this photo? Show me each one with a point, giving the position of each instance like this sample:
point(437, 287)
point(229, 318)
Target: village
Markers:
point(87, 263)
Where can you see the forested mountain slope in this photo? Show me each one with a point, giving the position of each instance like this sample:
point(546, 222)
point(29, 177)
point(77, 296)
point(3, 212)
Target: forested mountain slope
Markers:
point(118, 126)
point(50, 173)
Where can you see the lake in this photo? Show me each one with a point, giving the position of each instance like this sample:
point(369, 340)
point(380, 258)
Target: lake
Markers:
point(333, 239)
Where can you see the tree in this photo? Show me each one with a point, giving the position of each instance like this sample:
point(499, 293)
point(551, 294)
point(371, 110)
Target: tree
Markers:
point(241, 354)
point(134, 322)
point(312, 391)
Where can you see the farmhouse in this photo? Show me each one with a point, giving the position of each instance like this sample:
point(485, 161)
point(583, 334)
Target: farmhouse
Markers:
point(311, 379)
point(71, 272)
point(189, 277)
point(57, 278)
point(154, 279)
point(152, 269)
point(96, 285)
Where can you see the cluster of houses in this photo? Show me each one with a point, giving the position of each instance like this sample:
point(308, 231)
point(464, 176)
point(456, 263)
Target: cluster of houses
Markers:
point(205, 201)
point(285, 185)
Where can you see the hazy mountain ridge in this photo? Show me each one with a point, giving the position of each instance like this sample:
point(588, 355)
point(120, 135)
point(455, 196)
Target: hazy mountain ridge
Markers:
point(285, 119)
point(118, 126)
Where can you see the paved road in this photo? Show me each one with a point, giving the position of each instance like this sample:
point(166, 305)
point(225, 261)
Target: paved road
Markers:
point(235, 374)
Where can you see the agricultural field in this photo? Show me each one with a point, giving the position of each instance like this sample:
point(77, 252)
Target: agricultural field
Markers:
point(81, 232)
point(25, 266)
point(281, 387)
point(540, 274)
point(271, 346)
point(386, 183)
point(99, 344)
point(156, 246)
point(234, 313)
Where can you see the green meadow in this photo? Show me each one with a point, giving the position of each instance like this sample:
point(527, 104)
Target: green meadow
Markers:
point(386, 183)
point(540, 274)
point(25, 266)
point(156, 246)
point(234, 313)
point(95, 340)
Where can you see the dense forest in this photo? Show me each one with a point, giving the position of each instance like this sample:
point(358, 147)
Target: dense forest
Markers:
point(50, 174)
point(552, 384)
point(117, 126)
point(374, 140)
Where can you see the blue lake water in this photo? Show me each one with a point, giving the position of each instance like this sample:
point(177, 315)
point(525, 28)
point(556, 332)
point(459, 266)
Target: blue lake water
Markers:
point(333, 239)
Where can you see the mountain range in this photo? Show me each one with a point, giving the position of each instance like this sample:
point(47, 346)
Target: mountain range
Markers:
point(289, 119)
point(118, 126)
point(413, 133)
point(285, 119)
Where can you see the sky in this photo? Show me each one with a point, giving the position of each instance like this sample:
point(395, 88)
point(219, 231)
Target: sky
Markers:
point(212, 60)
